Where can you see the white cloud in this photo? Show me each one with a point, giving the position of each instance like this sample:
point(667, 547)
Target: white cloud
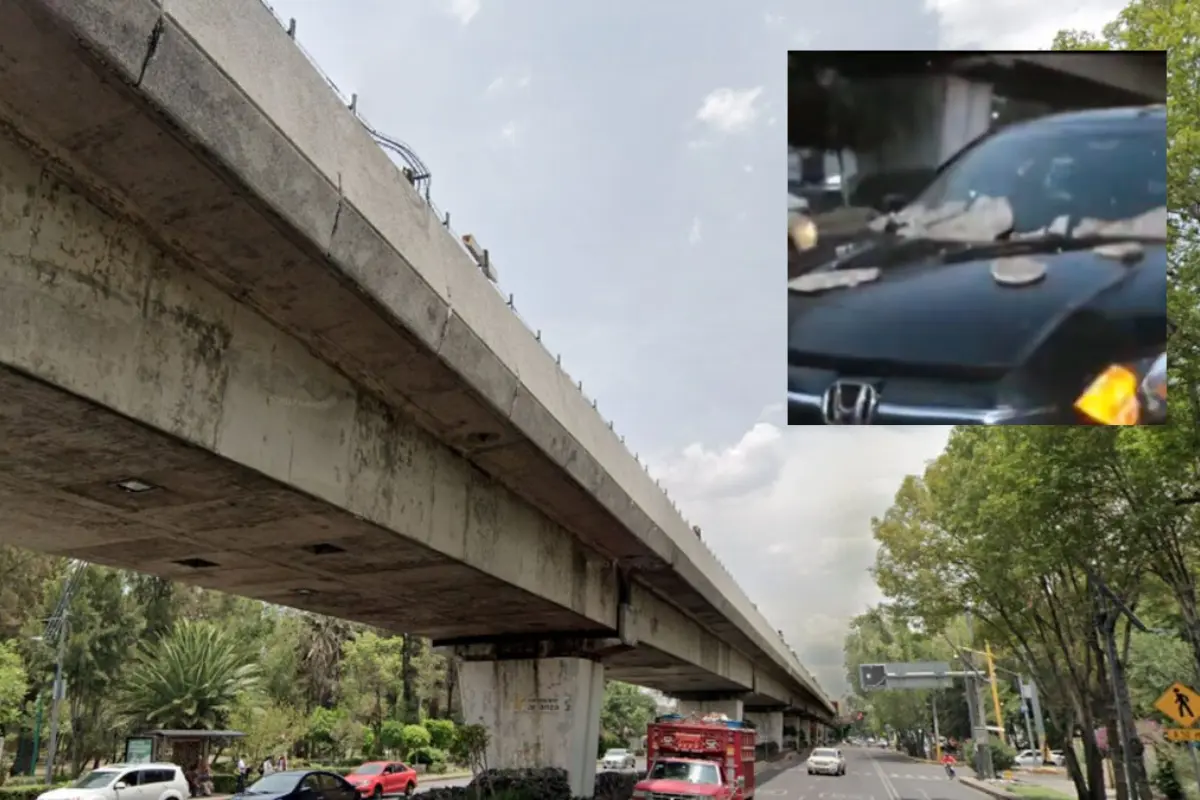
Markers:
point(462, 10)
point(772, 20)
point(694, 232)
point(730, 110)
point(508, 133)
point(1018, 24)
point(504, 83)
point(788, 511)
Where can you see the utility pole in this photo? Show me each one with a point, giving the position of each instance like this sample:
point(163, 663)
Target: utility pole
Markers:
point(937, 736)
point(55, 702)
point(1022, 690)
point(991, 665)
point(983, 751)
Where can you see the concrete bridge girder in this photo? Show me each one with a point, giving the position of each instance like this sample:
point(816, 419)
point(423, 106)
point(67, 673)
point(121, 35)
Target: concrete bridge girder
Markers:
point(275, 414)
point(224, 72)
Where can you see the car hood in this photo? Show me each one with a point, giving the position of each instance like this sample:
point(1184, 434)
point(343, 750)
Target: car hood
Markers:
point(680, 787)
point(932, 307)
point(259, 796)
point(67, 792)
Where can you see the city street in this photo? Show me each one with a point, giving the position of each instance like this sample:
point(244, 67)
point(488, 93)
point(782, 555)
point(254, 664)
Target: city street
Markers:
point(870, 775)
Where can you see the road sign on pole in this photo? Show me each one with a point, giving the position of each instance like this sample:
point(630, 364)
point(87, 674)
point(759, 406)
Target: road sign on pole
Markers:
point(906, 675)
point(1181, 704)
point(872, 677)
point(1182, 734)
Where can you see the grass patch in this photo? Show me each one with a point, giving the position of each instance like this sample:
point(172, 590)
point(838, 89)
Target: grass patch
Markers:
point(1039, 793)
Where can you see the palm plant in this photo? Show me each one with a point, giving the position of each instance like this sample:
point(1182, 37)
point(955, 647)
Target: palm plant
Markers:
point(189, 679)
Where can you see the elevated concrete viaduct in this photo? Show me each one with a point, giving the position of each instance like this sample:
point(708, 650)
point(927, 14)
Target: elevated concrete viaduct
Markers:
point(238, 350)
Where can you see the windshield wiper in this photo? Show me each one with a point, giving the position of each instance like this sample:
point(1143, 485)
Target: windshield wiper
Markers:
point(1051, 242)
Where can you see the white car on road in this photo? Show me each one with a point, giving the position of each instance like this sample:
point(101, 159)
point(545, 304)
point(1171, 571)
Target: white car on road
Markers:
point(1029, 759)
point(126, 782)
point(618, 759)
point(826, 761)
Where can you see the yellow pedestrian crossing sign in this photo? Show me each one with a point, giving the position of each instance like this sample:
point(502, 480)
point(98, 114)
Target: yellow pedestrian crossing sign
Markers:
point(1181, 704)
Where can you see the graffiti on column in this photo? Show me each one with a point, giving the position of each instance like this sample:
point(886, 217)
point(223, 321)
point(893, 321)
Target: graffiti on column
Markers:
point(544, 705)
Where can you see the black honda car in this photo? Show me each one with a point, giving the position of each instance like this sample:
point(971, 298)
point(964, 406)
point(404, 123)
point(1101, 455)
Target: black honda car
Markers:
point(1026, 284)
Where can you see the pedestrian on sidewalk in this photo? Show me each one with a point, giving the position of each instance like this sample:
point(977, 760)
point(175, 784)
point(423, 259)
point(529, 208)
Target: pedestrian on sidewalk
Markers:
point(242, 770)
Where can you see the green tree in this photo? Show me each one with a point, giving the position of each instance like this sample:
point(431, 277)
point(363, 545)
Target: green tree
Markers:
point(12, 692)
point(626, 710)
point(189, 679)
point(991, 527)
point(373, 673)
point(270, 728)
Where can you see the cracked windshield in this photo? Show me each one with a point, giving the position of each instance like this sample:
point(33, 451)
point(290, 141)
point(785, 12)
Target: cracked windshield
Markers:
point(352, 447)
point(977, 239)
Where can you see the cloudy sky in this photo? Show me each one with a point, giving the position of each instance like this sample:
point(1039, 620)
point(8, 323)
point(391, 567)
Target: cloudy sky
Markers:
point(624, 164)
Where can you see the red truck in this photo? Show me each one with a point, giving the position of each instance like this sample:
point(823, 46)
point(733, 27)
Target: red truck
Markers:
point(693, 758)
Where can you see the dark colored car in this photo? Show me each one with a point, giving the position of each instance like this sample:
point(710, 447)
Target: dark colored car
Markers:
point(1053, 314)
point(298, 784)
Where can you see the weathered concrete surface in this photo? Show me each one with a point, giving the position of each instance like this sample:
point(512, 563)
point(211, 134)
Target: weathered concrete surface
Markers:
point(540, 713)
point(294, 485)
point(200, 121)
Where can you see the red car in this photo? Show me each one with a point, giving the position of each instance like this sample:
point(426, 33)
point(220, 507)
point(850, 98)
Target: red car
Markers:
point(377, 778)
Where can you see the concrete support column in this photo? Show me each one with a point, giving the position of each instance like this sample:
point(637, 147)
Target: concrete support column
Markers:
point(541, 712)
point(966, 113)
point(769, 725)
point(730, 707)
point(793, 724)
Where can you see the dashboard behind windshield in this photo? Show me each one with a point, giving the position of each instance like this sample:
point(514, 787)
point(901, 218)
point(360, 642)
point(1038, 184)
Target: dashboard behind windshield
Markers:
point(1110, 172)
point(684, 771)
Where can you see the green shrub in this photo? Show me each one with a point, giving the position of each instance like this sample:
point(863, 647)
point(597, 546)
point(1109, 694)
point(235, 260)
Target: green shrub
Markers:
point(1003, 756)
point(224, 783)
point(413, 737)
point(428, 755)
point(441, 733)
point(1166, 779)
point(26, 792)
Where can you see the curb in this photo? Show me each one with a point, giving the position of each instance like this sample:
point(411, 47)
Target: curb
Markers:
point(991, 791)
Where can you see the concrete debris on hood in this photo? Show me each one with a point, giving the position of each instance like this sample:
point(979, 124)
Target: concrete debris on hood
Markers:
point(982, 220)
point(1152, 224)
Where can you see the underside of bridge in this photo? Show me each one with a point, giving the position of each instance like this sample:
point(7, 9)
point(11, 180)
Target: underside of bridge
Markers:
point(189, 389)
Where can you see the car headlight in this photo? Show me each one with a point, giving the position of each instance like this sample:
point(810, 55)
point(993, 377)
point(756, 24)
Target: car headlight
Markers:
point(803, 233)
point(1128, 394)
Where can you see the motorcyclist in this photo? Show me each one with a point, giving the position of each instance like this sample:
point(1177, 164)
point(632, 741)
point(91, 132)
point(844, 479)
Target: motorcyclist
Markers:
point(948, 761)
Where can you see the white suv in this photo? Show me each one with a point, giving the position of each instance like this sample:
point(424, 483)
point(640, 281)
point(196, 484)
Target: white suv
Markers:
point(126, 782)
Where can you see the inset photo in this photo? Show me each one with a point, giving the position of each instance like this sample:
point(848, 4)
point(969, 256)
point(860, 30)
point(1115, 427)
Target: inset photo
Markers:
point(977, 238)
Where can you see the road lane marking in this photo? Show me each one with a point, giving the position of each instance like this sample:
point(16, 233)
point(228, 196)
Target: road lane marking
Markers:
point(888, 787)
point(925, 794)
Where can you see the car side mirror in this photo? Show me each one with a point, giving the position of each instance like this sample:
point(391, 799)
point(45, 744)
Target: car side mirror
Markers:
point(119, 785)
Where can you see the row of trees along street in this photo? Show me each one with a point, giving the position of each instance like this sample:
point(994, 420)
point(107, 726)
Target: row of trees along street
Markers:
point(142, 653)
point(1009, 522)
